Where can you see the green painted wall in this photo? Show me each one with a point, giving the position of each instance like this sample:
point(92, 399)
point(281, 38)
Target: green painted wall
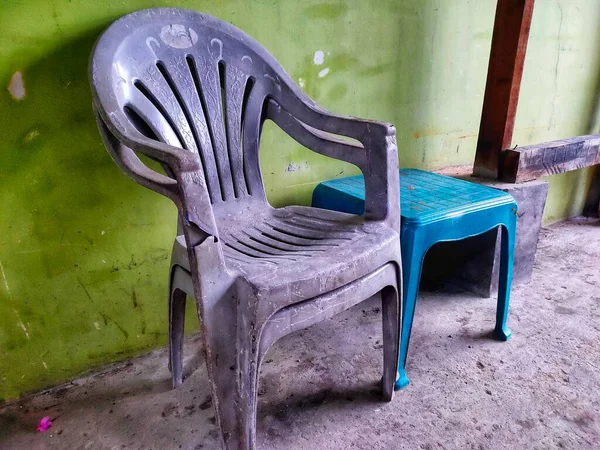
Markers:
point(560, 91)
point(84, 251)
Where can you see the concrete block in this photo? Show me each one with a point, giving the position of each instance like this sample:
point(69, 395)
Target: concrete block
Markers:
point(475, 261)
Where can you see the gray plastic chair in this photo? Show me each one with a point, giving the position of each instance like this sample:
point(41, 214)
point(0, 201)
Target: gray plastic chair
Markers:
point(192, 93)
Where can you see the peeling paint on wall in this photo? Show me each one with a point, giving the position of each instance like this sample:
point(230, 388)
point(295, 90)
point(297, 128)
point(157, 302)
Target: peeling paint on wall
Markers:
point(319, 57)
point(16, 87)
point(31, 136)
point(324, 72)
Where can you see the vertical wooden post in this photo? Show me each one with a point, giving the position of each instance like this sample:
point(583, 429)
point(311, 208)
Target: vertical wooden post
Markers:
point(509, 44)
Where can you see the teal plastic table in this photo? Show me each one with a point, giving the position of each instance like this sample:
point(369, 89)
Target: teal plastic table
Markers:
point(435, 208)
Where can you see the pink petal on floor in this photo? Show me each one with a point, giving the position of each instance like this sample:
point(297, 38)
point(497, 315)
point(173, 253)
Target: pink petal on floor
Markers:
point(45, 424)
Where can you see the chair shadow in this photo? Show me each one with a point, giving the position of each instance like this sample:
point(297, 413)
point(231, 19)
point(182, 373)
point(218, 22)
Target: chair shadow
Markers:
point(55, 165)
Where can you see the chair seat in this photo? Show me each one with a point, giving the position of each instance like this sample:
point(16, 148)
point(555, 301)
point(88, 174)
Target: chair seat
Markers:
point(296, 253)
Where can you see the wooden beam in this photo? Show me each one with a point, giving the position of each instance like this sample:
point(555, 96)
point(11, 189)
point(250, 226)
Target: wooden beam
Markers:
point(550, 158)
point(509, 44)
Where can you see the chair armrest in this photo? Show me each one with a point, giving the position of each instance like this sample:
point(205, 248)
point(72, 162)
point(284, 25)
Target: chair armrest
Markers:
point(131, 164)
point(375, 153)
point(188, 190)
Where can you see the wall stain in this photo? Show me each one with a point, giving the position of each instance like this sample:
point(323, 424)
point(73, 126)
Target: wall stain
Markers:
point(84, 289)
point(328, 11)
point(377, 69)
point(137, 304)
point(556, 66)
point(337, 92)
point(31, 136)
point(106, 318)
point(134, 298)
point(434, 132)
point(155, 256)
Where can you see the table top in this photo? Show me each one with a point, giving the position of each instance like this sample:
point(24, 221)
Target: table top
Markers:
point(427, 196)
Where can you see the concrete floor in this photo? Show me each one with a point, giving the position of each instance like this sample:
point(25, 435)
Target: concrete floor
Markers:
point(319, 387)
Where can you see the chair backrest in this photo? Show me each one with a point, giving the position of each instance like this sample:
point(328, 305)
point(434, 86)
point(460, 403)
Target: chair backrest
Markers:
point(193, 82)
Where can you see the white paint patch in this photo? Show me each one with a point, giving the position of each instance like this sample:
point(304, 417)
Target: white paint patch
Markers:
point(292, 167)
point(301, 82)
point(324, 72)
point(4, 279)
point(177, 36)
point(96, 325)
point(319, 57)
point(22, 325)
point(16, 87)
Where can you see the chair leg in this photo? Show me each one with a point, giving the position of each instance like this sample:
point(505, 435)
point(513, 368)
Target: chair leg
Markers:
point(176, 332)
point(231, 347)
point(248, 392)
point(235, 392)
point(506, 268)
point(390, 307)
point(169, 302)
point(412, 258)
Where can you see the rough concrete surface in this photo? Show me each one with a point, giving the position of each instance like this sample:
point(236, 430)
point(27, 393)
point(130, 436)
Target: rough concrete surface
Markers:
point(319, 387)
